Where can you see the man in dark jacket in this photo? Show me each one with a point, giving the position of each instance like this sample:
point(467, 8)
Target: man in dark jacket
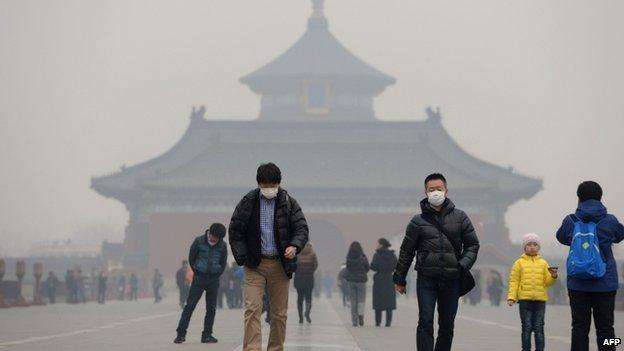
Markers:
point(593, 294)
point(208, 259)
point(439, 268)
point(267, 231)
point(183, 287)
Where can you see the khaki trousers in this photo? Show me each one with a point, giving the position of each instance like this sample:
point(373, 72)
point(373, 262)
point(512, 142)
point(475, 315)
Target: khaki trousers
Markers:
point(269, 273)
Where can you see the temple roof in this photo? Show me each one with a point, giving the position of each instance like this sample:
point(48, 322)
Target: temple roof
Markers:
point(360, 155)
point(317, 54)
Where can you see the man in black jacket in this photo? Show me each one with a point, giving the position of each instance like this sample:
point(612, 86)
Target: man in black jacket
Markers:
point(439, 268)
point(267, 231)
point(208, 259)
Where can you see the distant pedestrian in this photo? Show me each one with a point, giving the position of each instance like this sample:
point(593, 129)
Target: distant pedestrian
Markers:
point(157, 283)
point(304, 281)
point(357, 269)
point(183, 287)
point(51, 284)
point(495, 287)
point(384, 295)
point(102, 280)
point(134, 287)
point(207, 259)
point(343, 285)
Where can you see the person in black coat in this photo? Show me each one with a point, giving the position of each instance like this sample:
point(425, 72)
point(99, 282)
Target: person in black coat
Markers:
point(439, 267)
point(384, 294)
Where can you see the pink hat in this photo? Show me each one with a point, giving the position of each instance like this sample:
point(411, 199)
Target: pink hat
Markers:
point(530, 238)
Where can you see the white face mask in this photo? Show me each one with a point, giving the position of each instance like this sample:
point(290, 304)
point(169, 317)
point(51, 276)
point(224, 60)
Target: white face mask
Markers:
point(436, 198)
point(269, 193)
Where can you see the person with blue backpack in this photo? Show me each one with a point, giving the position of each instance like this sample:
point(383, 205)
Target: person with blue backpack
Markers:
point(591, 269)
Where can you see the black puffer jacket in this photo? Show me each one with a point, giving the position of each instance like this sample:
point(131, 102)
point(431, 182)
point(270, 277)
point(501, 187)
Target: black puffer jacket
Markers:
point(435, 257)
point(290, 226)
point(357, 267)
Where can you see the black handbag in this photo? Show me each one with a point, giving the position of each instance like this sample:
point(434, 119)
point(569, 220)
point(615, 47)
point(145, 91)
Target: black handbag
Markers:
point(466, 279)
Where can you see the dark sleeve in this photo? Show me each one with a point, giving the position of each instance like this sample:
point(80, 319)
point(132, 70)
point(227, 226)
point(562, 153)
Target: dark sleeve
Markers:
point(298, 226)
point(374, 266)
point(407, 252)
point(193, 254)
point(564, 233)
point(237, 230)
point(617, 230)
point(470, 244)
point(223, 261)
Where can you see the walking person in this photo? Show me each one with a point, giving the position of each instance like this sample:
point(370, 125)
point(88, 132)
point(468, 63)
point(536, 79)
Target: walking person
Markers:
point(183, 288)
point(384, 295)
point(343, 285)
point(445, 245)
point(357, 269)
point(495, 287)
point(157, 283)
point(208, 259)
point(528, 282)
point(70, 287)
point(307, 263)
point(134, 287)
point(591, 287)
point(267, 231)
point(102, 280)
point(51, 284)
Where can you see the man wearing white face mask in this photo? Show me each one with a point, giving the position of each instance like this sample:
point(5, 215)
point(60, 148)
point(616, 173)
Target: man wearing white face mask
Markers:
point(445, 245)
point(267, 231)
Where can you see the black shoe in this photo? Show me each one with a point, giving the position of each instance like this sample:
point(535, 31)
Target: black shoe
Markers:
point(308, 319)
point(300, 320)
point(361, 320)
point(209, 339)
point(179, 339)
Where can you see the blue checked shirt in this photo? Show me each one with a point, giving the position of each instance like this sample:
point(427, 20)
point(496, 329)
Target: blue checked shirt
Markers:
point(267, 236)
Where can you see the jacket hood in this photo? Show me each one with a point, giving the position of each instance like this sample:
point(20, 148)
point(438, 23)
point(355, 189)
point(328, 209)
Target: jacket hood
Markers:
point(591, 210)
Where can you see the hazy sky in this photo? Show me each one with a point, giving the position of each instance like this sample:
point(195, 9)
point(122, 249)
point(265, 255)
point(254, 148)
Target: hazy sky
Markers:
point(86, 86)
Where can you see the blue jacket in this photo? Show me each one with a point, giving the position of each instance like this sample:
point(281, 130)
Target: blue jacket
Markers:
point(609, 231)
point(206, 259)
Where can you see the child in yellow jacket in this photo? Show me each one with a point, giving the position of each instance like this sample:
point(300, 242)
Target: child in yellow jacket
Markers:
point(529, 278)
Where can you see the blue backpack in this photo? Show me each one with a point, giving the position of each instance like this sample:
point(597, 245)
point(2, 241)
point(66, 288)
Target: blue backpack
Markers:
point(585, 260)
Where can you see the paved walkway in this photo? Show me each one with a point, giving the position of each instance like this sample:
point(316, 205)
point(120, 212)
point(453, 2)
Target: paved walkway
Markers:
point(144, 325)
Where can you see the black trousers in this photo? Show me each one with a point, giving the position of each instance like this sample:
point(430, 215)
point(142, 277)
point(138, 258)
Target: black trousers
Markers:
point(304, 294)
point(200, 284)
point(446, 295)
point(583, 304)
point(388, 317)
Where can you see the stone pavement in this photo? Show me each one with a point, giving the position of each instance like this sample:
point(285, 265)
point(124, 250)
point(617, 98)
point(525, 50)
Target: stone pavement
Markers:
point(144, 325)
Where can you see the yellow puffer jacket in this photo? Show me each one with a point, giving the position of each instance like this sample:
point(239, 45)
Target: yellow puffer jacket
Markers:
point(529, 279)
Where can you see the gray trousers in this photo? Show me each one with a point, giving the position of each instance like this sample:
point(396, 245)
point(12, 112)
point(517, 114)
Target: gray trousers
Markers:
point(357, 296)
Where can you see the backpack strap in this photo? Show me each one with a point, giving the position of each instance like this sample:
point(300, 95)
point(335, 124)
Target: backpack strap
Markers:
point(574, 218)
